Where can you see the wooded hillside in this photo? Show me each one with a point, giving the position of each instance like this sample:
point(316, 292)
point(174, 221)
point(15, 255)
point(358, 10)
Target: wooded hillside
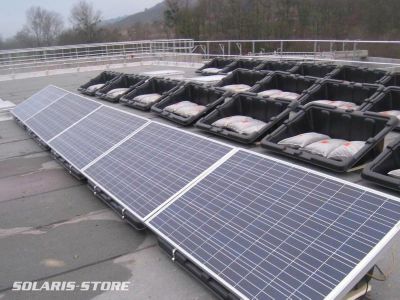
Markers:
point(281, 19)
point(220, 19)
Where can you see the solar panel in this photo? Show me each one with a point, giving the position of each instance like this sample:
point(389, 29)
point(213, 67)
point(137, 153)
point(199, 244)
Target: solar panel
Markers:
point(94, 135)
point(60, 115)
point(153, 165)
point(37, 102)
point(269, 230)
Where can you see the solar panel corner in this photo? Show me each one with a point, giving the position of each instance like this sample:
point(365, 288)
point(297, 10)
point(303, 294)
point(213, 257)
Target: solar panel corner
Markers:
point(67, 166)
point(60, 115)
point(220, 290)
point(19, 122)
point(116, 207)
point(366, 264)
point(37, 102)
point(42, 144)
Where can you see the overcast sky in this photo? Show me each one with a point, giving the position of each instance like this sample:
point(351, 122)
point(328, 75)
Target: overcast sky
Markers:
point(12, 12)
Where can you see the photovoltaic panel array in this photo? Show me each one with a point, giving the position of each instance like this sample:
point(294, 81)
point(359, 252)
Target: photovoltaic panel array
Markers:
point(60, 115)
point(94, 135)
point(153, 165)
point(269, 230)
point(263, 228)
point(37, 102)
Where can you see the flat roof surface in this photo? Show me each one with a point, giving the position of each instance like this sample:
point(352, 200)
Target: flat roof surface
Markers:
point(52, 228)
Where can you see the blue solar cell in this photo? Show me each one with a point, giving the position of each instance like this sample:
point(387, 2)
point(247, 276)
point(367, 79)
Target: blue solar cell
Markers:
point(153, 165)
point(37, 102)
point(94, 135)
point(60, 115)
point(285, 233)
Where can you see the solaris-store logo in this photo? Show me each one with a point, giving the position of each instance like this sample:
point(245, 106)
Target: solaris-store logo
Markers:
point(71, 286)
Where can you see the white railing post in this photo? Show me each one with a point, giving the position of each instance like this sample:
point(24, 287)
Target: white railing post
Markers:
point(239, 45)
point(222, 46)
point(354, 50)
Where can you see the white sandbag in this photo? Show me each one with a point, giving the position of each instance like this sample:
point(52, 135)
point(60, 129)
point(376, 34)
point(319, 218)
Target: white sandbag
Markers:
point(147, 98)
point(302, 140)
point(349, 105)
point(324, 102)
point(95, 87)
point(388, 113)
point(338, 104)
point(247, 127)
point(117, 92)
point(211, 70)
point(278, 95)
point(174, 107)
point(347, 150)
point(190, 110)
point(253, 129)
point(237, 88)
point(324, 147)
point(269, 93)
point(394, 173)
point(289, 95)
point(226, 122)
point(285, 95)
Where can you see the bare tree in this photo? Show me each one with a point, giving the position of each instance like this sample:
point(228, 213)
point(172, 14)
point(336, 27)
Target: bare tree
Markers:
point(86, 20)
point(42, 26)
point(24, 38)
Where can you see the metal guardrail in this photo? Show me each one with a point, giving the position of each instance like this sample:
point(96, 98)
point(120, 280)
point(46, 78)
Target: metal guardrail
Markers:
point(288, 45)
point(76, 56)
point(369, 53)
point(22, 60)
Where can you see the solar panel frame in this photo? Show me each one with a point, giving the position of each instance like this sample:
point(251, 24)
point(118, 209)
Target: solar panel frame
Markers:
point(58, 150)
point(31, 122)
point(349, 280)
point(364, 266)
point(23, 119)
point(172, 197)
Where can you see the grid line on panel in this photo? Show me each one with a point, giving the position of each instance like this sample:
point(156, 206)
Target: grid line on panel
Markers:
point(347, 231)
point(153, 165)
point(192, 228)
point(334, 253)
point(115, 146)
point(37, 102)
point(73, 124)
point(274, 231)
point(60, 115)
point(306, 212)
point(94, 135)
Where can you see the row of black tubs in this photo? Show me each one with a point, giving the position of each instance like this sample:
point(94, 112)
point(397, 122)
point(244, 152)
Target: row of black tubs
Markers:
point(283, 118)
point(349, 73)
